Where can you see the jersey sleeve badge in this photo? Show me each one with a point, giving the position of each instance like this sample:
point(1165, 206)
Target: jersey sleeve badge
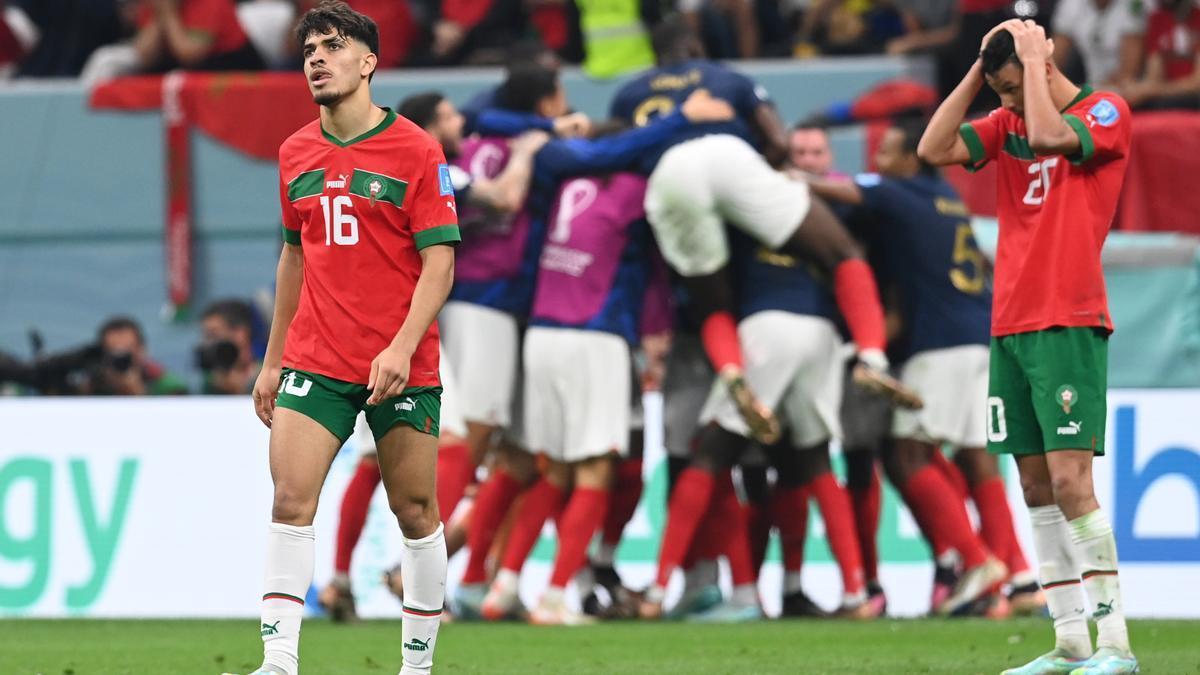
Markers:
point(445, 183)
point(1104, 113)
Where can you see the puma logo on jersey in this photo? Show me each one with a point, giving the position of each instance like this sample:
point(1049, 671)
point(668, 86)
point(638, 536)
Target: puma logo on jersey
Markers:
point(1072, 429)
point(407, 404)
point(339, 184)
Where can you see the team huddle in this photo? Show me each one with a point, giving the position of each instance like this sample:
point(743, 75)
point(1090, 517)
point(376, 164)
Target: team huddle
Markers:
point(490, 292)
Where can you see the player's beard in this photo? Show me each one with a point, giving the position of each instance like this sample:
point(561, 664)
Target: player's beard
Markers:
point(327, 97)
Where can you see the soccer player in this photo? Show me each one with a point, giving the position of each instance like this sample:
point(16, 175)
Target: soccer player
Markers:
point(711, 174)
point(369, 222)
point(924, 237)
point(1061, 153)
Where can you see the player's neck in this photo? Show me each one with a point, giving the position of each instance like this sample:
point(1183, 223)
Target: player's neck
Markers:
point(352, 116)
point(1062, 90)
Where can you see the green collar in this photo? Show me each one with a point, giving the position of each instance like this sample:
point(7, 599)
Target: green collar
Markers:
point(1084, 92)
point(388, 118)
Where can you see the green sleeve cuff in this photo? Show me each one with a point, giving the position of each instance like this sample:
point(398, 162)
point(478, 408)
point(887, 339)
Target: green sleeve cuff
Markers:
point(291, 236)
point(974, 146)
point(442, 234)
point(1087, 145)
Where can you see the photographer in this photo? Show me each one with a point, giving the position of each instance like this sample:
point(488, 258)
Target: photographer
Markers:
point(225, 354)
point(125, 369)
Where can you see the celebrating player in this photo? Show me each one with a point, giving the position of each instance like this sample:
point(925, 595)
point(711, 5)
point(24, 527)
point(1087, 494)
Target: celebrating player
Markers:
point(1061, 153)
point(369, 219)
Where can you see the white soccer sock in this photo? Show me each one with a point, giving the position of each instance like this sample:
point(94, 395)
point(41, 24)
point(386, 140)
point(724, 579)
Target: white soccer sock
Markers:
point(288, 576)
point(1096, 548)
point(423, 570)
point(1059, 575)
point(605, 555)
point(703, 573)
point(745, 595)
point(792, 582)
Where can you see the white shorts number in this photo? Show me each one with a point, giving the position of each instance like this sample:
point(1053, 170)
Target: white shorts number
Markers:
point(997, 426)
point(342, 226)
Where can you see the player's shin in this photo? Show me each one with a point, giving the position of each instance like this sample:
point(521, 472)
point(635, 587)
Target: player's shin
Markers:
point(423, 567)
point(289, 572)
point(1059, 575)
point(1096, 550)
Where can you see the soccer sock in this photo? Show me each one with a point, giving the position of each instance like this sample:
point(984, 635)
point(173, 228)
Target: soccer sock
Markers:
point(720, 337)
point(495, 497)
point(840, 530)
point(455, 471)
point(423, 569)
point(758, 523)
point(1096, 551)
point(626, 493)
point(1059, 575)
point(356, 502)
point(789, 511)
point(942, 513)
point(866, 502)
point(857, 297)
point(733, 525)
point(290, 553)
point(702, 573)
point(953, 474)
point(579, 522)
point(689, 503)
point(995, 520)
point(542, 501)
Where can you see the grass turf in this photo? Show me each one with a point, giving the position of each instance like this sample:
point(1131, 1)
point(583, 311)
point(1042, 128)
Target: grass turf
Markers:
point(102, 647)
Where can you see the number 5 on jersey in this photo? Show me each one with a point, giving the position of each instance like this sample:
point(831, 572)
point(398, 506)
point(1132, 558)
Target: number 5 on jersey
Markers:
point(340, 226)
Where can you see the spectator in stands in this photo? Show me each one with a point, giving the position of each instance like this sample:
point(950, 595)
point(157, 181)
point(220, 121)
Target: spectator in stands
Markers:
point(58, 36)
point(1172, 78)
point(480, 31)
point(399, 31)
point(729, 28)
point(125, 368)
point(1106, 35)
point(929, 26)
point(848, 27)
point(809, 149)
point(225, 354)
point(193, 34)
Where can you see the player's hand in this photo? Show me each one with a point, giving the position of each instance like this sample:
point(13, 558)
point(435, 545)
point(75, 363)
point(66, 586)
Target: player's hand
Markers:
point(1031, 42)
point(447, 36)
point(702, 107)
point(529, 142)
point(655, 349)
point(266, 388)
point(575, 125)
point(1003, 25)
point(389, 374)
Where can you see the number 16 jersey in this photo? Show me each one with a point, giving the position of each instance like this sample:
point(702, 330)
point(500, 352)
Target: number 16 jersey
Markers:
point(362, 210)
point(1055, 212)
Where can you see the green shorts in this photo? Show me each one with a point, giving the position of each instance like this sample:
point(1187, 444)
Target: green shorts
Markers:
point(1048, 390)
point(335, 404)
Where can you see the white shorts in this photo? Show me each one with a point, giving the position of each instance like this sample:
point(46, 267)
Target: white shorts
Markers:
point(700, 184)
point(577, 389)
point(794, 366)
point(953, 382)
point(482, 345)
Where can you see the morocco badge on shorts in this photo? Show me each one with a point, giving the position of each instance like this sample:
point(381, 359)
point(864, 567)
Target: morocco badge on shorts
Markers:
point(375, 189)
point(1066, 397)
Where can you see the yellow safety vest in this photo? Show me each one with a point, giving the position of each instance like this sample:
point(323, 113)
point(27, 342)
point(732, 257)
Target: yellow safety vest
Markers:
point(614, 38)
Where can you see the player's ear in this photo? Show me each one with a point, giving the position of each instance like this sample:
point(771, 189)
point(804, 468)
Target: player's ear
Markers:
point(369, 63)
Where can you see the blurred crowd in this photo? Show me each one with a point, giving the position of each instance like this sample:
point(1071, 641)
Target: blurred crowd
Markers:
point(1146, 50)
point(118, 362)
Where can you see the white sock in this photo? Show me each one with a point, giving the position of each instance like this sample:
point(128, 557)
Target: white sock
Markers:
point(703, 573)
point(1097, 551)
point(423, 568)
point(791, 582)
point(854, 600)
point(1059, 575)
point(745, 595)
point(507, 581)
point(290, 552)
point(605, 555)
point(585, 581)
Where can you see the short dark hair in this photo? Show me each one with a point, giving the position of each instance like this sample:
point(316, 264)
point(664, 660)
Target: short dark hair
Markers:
point(526, 85)
point(525, 52)
point(814, 123)
point(672, 34)
point(999, 51)
point(236, 313)
point(337, 16)
point(421, 109)
point(913, 129)
point(117, 323)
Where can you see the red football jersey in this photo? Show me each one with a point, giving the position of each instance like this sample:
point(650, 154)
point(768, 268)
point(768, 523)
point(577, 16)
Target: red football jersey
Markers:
point(1055, 213)
point(1177, 42)
point(362, 210)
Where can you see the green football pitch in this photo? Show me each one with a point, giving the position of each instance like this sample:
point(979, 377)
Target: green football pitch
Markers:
point(87, 647)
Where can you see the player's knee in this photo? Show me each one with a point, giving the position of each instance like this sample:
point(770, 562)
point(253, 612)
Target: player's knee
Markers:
point(1069, 487)
point(1036, 492)
point(293, 507)
point(416, 514)
point(977, 465)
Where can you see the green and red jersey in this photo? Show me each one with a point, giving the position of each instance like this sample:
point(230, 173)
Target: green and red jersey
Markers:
point(1055, 212)
point(362, 210)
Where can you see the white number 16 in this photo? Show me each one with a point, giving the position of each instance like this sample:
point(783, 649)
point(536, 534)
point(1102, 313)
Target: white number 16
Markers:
point(342, 225)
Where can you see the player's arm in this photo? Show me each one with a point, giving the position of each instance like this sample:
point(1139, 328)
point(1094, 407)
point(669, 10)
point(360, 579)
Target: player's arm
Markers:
point(389, 370)
point(941, 144)
point(289, 276)
point(772, 135)
point(506, 192)
point(841, 191)
point(498, 122)
point(188, 45)
point(1048, 131)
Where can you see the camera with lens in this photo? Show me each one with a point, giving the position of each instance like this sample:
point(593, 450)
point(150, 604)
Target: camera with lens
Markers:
point(218, 356)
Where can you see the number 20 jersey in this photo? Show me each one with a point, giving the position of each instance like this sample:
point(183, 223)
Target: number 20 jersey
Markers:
point(362, 210)
point(1055, 212)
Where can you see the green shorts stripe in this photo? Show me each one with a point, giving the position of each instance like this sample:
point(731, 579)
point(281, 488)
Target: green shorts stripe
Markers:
point(1048, 390)
point(335, 404)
